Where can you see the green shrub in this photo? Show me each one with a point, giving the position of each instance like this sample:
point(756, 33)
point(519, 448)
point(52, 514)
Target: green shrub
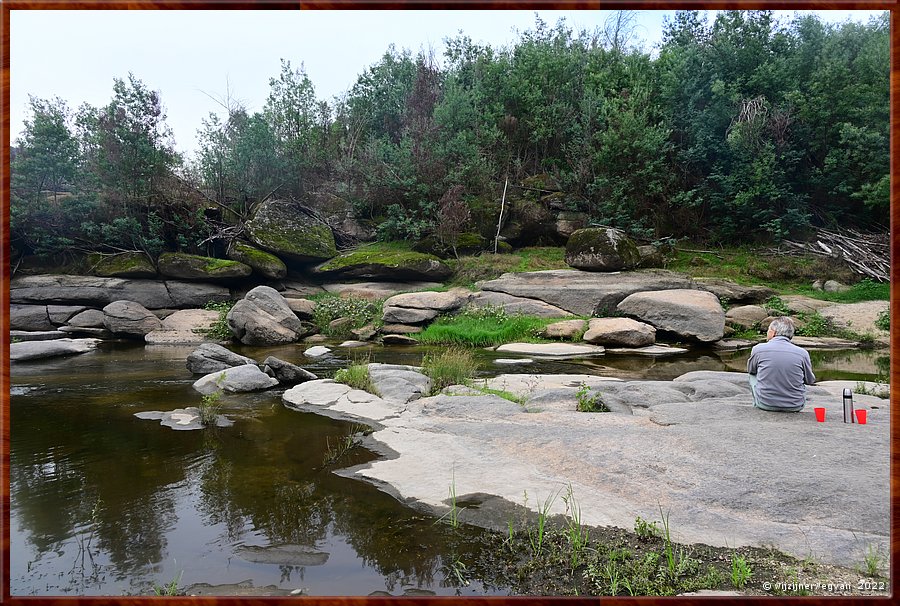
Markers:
point(330, 307)
point(883, 322)
point(210, 406)
point(588, 402)
point(219, 330)
point(453, 366)
point(646, 530)
point(776, 306)
point(356, 376)
point(741, 572)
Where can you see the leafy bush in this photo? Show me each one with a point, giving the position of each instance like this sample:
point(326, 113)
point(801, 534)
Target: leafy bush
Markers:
point(219, 329)
point(646, 530)
point(453, 366)
point(356, 376)
point(209, 409)
point(883, 322)
point(776, 306)
point(588, 402)
point(740, 572)
point(330, 307)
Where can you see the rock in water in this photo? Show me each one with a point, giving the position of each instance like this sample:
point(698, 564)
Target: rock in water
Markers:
point(211, 357)
point(620, 331)
point(237, 379)
point(35, 350)
point(286, 372)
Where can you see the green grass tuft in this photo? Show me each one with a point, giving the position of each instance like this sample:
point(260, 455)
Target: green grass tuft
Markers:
point(483, 327)
point(453, 366)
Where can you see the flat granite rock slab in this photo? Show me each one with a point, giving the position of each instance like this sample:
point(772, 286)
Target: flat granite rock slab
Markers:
point(181, 419)
point(554, 350)
point(649, 350)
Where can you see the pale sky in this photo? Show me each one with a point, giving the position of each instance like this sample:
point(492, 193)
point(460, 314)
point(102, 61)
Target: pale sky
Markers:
point(191, 55)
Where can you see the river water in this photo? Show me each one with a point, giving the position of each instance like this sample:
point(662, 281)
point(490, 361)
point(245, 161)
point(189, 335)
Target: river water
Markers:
point(103, 503)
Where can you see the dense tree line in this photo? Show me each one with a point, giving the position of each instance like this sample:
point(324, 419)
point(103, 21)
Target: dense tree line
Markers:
point(743, 128)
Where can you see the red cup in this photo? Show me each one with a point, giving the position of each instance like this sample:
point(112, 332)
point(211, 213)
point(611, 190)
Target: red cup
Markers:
point(861, 415)
point(820, 414)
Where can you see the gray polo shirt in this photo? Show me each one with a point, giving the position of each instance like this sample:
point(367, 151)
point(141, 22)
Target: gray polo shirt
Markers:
point(781, 369)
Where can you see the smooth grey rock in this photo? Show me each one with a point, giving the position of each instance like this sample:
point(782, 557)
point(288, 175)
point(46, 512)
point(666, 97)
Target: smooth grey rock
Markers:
point(567, 329)
point(651, 256)
point(391, 339)
point(237, 379)
point(60, 314)
point(182, 419)
point(29, 317)
point(385, 266)
point(36, 350)
point(585, 293)
point(283, 555)
point(317, 351)
point(129, 319)
point(746, 316)
point(211, 357)
point(327, 397)
point(35, 335)
point(365, 333)
point(818, 285)
point(406, 315)
point(437, 301)
point(90, 318)
point(552, 350)
point(734, 293)
point(517, 305)
point(567, 223)
point(263, 317)
point(97, 292)
point(352, 344)
point(513, 361)
point(649, 350)
point(693, 314)
point(315, 339)
point(285, 372)
point(400, 329)
point(302, 308)
point(98, 333)
point(601, 249)
point(398, 382)
point(823, 343)
point(619, 331)
point(801, 304)
point(834, 286)
point(734, 344)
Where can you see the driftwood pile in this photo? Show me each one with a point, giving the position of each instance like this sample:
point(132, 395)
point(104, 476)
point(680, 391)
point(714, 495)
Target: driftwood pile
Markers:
point(866, 254)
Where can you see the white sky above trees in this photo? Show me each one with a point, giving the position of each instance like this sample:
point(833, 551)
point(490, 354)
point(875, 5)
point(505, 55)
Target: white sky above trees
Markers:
point(195, 57)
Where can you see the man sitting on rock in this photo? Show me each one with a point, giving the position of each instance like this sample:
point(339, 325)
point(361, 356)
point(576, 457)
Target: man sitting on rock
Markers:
point(779, 370)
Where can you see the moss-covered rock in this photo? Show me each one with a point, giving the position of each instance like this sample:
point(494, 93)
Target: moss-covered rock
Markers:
point(601, 249)
point(122, 265)
point(195, 267)
point(385, 262)
point(284, 228)
point(263, 263)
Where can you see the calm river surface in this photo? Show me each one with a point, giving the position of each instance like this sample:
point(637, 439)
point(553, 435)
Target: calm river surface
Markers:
point(103, 503)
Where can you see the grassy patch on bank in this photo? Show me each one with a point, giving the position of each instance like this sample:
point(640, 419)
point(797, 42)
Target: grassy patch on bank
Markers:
point(487, 266)
point(452, 366)
point(331, 306)
point(483, 327)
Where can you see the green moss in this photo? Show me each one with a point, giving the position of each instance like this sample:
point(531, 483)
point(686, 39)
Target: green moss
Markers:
point(110, 265)
point(389, 254)
point(216, 265)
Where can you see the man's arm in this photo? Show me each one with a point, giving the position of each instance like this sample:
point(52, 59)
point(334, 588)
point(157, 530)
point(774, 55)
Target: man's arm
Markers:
point(752, 363)
point(808, 377)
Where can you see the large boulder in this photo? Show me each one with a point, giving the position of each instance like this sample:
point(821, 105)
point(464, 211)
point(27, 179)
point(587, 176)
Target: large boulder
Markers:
point(516, 305)
point(60, 314)
point(420, 307)
point(601, 249)
point(285, 372)
point(237, 379)
point(694, 314)
point(746, 316)
point(623, 332)
point(263, 317)
point(29, 317)
point(122, 265)
point(567, 223)
point(287, 229)
point(567, 329)
point(194, 267)
point(183, 327)
point(89, 318)
point(211, 357)
point(129, 319)
point(36, 350)
point(734, 293)
point(97, 292)
point(375, 263)
point(585, 293)
point(303, 308)
point(263, 263)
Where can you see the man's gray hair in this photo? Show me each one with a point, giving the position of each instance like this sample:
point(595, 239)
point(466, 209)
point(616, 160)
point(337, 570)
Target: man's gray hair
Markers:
point(782, 327)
